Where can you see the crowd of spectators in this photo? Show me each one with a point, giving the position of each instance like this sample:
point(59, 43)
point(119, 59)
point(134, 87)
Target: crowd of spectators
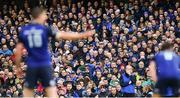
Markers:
point(114, 62)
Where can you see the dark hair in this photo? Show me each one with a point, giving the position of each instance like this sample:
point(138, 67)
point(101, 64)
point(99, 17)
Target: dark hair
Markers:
point(166, 46)
point(37, 11)
point(68, 82)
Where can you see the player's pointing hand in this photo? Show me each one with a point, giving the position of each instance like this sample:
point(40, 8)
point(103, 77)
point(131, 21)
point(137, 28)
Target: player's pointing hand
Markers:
point(89, 33)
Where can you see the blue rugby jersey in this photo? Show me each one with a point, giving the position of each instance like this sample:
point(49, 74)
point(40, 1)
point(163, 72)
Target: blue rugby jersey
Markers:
point(35, 39)
point(167, 65)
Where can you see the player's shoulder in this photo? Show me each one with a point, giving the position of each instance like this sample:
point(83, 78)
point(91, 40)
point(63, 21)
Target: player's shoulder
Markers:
point(24, 27)
point(158, 55)
point(29, 26)
point(176, 55)
point(167, 53)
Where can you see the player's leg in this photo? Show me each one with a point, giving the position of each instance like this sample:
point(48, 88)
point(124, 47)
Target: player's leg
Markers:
point(27, 92)
point(51, 91)
point(160, 89)
point(46, 76)
point(175, 85)
point(30, 82)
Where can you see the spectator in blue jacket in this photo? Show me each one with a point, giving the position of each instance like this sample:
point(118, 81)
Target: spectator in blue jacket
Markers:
point(79, 89)
point(128, 82)
point(70, 91)
point(5, 51)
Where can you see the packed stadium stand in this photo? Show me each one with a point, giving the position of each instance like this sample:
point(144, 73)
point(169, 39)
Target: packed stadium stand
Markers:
point(114, 62)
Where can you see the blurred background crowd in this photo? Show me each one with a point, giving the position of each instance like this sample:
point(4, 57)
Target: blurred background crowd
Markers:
point(114, 62)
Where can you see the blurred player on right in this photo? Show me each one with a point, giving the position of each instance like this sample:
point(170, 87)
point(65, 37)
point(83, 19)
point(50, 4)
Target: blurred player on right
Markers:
point(165, 71)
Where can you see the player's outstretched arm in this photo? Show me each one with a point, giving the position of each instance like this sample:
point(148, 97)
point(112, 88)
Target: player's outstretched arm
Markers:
point(152, 71)
point(74, 35)
point(18, 55)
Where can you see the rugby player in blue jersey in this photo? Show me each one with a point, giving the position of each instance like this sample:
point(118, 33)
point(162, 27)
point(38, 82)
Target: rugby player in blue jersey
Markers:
point(34, 38)
point(165, 71)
